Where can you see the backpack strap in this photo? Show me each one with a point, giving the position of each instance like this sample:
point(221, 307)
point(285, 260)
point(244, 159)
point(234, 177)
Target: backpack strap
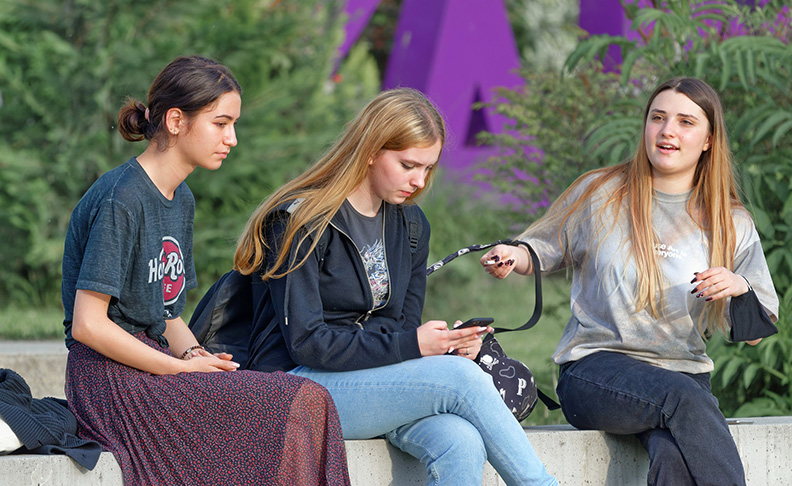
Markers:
point(414, 225)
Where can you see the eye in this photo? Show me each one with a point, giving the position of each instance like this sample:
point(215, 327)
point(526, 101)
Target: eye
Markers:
point(406, 166)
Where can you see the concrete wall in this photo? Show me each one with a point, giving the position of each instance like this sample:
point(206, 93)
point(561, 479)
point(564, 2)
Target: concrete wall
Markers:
point(575, 457)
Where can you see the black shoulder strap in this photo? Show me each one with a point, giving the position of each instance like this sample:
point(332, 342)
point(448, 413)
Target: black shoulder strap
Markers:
point(414, 226)
point(537, 313)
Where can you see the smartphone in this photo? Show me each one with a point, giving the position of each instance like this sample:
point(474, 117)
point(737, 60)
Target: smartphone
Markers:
point(476, 322)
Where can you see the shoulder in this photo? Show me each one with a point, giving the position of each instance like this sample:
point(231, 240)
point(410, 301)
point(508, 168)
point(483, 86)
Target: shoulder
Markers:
point(413, 212)
point(744, 227)
point(117, 186)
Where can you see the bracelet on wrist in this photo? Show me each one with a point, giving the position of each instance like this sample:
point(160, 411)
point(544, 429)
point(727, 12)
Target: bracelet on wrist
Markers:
point(189, 350)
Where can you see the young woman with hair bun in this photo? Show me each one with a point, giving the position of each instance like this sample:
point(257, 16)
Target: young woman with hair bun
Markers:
point(137, 380)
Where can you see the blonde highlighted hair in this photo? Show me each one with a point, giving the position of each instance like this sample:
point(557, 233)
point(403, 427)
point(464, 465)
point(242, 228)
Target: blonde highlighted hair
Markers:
point(714, 196)
point(396, 119)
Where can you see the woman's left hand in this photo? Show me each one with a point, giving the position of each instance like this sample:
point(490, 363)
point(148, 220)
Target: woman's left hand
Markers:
point(718, 283)
point(471, 348)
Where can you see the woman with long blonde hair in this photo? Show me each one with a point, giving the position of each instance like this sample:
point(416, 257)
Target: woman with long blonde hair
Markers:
point(338, 258)
point(660, 246)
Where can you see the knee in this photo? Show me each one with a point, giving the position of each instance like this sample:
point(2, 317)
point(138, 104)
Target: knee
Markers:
point(690, 400)
point(448, 445)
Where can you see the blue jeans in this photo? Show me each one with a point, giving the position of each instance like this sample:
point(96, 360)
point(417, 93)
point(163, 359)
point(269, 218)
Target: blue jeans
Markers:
point(673, 414)
point(442, 410)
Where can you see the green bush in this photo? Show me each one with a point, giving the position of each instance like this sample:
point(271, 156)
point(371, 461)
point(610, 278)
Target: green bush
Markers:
point(65, 68)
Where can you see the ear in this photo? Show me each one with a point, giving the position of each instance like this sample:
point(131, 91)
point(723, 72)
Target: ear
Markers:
point(708, 143)
point(174, 120)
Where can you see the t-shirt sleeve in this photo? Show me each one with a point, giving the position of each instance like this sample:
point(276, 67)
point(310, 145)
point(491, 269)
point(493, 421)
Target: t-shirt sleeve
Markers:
point(107, 252)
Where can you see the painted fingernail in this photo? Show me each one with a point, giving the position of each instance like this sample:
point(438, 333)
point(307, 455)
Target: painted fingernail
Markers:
point(511, 262)
point(496, 258)
point(694, 290)
point(500, 264)
point(699, 294)
point(708, 299)
point(694, 280)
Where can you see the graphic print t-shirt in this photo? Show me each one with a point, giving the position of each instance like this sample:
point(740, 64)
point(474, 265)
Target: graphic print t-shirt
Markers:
point(367, 233)
point(126, 240)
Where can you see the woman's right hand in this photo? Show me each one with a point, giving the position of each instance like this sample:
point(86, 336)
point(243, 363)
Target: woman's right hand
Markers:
point(502, 259)
point(435, 339)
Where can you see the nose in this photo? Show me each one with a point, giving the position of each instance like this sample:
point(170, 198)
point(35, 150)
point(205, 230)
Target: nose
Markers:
point(419, 180)
point(230, 138)
point(666, 131)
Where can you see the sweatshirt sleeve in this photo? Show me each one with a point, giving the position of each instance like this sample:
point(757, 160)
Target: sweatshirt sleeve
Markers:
point(750, 262)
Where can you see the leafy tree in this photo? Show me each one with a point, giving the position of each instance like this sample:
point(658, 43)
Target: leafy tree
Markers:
point(65, 68)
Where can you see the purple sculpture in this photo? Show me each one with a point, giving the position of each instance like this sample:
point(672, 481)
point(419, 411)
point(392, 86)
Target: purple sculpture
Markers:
point(457, 52)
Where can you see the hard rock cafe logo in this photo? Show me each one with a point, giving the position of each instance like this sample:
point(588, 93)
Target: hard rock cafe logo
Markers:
point(168, 267)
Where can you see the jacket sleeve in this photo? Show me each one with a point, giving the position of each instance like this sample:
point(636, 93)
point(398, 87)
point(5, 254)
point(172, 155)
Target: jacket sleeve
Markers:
point(313, 343)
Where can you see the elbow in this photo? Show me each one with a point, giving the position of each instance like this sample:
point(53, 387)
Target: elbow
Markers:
point(82, 331)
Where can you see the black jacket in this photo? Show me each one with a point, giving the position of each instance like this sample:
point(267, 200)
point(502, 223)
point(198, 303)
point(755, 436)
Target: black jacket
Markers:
point(43, 425)
point(324, 316)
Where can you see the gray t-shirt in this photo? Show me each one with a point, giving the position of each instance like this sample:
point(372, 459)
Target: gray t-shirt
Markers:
point(126, 240)
point(604, 281)
point(368, 234)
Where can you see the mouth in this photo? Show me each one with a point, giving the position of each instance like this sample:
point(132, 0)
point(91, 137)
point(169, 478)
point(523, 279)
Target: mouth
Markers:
point(406, 193)
point(666, 148)
point(223, 154)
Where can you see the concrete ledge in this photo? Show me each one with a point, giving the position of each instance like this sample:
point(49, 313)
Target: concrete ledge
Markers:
point(575, 457)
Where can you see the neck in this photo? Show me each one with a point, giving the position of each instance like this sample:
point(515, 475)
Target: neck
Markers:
point(165, 169)
point(364, 201)
point(672, 184)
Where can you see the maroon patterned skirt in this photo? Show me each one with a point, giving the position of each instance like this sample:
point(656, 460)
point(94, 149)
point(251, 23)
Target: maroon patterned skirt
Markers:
point(238, 427)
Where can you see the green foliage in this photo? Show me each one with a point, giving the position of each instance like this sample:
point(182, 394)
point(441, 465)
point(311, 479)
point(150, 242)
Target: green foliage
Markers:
point(545, 30)
point(543, 151)
point(66, 67)
point(746, 55)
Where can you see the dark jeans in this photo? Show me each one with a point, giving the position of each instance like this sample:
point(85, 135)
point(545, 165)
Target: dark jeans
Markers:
point(674, 415)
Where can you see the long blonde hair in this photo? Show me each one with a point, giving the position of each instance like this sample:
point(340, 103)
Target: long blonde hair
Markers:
point(396, 119)
point(714, 196)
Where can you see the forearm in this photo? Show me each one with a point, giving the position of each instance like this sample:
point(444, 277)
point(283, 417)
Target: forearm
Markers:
point(179, 336)
point(92, 327)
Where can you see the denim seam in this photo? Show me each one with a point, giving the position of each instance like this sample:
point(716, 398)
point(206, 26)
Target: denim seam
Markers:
point(621, 392)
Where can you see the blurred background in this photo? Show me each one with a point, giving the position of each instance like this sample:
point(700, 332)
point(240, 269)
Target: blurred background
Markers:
point(535, 93)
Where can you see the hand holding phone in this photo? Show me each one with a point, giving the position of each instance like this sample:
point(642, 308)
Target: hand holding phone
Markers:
point(476, 322)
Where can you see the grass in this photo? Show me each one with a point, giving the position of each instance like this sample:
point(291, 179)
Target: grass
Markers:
point(31, 323)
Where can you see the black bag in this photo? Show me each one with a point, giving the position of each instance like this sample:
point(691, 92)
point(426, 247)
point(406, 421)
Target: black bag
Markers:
point(511, 377)
point(749, 320)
